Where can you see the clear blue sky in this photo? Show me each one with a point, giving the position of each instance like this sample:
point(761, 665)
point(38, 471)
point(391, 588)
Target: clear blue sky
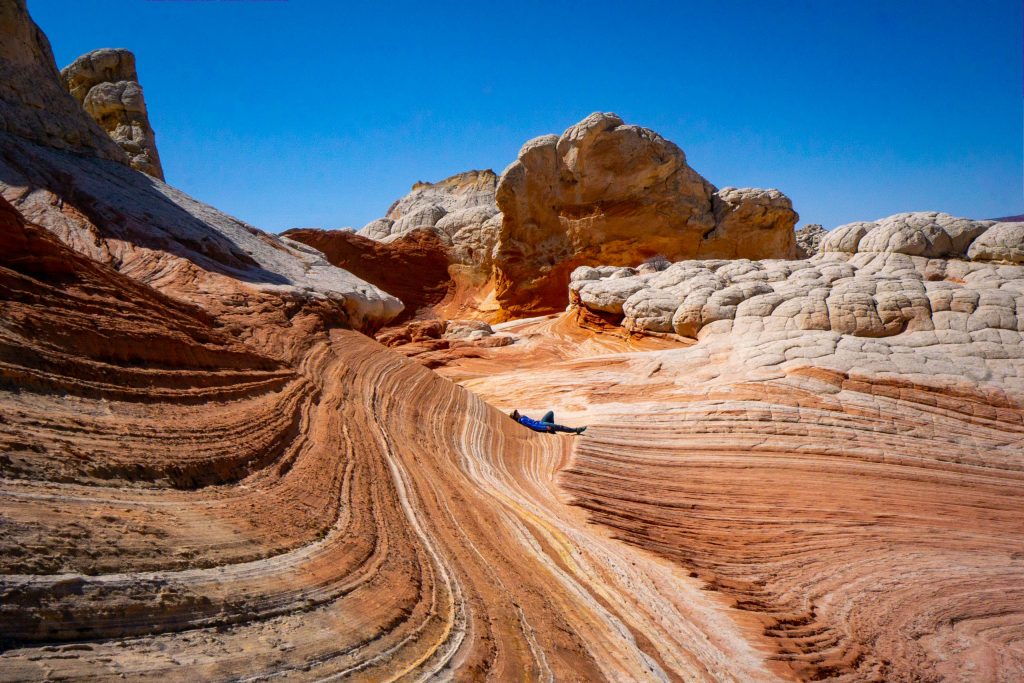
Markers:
point(321, 113)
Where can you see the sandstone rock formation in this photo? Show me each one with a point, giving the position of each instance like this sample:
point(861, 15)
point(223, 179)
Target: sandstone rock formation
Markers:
point(808, 240)
point(1002, 243)
point(838, 454)
point(207, 477)
point(459, 204)
point(872, 280)
point(59, 176)
point(603, 193)
point(461, 212)
point(180, 500)
point(187, 249)
point(33, 105)
point(207, 473)
point(607, 193)
point(107, 86)
point(412, 267)
point(856, 501)
point(463, 221)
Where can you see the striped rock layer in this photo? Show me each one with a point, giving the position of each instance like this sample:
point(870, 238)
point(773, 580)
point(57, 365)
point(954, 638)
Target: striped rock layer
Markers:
point(177, 503)
point(208, 473)
point(863, 518)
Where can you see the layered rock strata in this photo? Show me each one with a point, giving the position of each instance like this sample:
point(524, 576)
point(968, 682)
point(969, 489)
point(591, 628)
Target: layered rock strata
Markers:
point(205, 476)
point(857, 501)
point(107, 86)
point(158, 235)
point(414, 266)
point(607, 193)
point(839, 454)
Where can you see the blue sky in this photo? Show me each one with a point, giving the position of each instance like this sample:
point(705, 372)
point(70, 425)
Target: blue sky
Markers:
point(321, 113)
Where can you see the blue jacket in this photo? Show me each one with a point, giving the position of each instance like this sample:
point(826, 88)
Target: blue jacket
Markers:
point(535, 425)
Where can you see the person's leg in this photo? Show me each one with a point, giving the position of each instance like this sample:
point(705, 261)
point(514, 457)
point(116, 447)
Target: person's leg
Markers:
point(562, 428)
point(548, 416)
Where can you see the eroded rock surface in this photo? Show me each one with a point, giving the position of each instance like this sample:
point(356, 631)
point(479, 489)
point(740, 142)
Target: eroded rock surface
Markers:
point(872, 280)
point(178, 503)
point(456, 208)
point(808, 240)
point(604, 192)
point(1001, 243)
point(607, 193)
point(107, 86)
point(412, 267)
point(839, 453)
point(33, 104)
point(206, 476)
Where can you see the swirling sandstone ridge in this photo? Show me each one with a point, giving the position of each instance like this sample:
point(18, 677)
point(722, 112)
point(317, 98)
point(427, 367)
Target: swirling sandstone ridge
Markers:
point(841, 453)
point(209, 472)
point(177, 504)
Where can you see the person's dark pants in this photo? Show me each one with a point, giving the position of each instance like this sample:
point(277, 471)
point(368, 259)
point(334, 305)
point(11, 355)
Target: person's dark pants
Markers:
point(549, 419)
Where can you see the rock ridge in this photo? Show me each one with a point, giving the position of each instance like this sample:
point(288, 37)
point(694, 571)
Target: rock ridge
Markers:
point(33, 105)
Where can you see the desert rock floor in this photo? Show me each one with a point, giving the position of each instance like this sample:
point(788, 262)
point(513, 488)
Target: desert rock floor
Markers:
point(861, 528)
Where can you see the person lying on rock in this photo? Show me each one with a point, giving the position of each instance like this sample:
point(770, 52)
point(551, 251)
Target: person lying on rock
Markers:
point(545, 424)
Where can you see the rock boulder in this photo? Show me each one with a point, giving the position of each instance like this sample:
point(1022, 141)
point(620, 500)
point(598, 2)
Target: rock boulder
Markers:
point(609, 193)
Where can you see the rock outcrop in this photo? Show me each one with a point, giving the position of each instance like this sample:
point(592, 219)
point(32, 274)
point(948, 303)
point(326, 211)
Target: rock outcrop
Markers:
point(808, 240)
point(413, 266)
point(607, 193)
point(207, 473)
point(855, 501)
point(455, 220)
point(838, 453)
point(1001, 243)
point(602, 193)
point(61, 175)
point(33, 105)
point(456, 208)
point(107, 86)
point(874, 279)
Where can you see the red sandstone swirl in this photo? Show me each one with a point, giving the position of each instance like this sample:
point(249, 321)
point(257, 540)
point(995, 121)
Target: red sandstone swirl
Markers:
point(867, 526)
point(206, 473)
point(874, 530)
point(175, 503)
point(842, 453)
